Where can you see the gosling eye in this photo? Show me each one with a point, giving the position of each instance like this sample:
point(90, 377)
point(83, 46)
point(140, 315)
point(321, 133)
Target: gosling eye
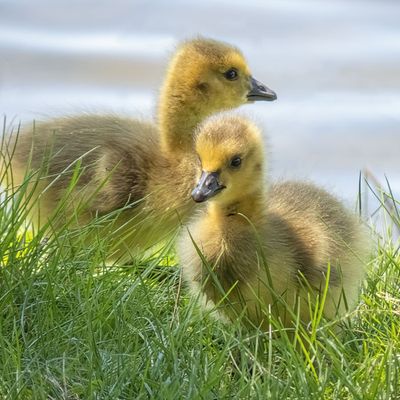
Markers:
point(235, 162)
point(231, 74)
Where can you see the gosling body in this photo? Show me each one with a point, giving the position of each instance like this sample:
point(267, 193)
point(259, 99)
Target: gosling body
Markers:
point(267, 250)
point(144, 167)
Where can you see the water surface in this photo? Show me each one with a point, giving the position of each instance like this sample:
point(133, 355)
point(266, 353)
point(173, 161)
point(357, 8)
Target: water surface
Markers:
point(334, 64)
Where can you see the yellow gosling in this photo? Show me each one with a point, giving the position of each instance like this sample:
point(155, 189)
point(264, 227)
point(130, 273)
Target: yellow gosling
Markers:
point(147, 168)
point(266, 249)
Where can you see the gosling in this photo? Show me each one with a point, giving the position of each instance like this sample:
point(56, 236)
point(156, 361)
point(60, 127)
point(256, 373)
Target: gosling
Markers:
point(144, 168)
point(266, 251)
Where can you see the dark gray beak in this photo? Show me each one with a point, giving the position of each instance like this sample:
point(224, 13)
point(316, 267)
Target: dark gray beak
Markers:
point(259, 92)
point(208, 186)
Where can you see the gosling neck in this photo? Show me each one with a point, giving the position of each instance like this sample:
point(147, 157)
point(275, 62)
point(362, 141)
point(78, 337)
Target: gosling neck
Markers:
point(179, 113)
point(252, 206)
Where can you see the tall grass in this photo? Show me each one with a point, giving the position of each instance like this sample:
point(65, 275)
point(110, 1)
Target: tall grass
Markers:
point(74, 327)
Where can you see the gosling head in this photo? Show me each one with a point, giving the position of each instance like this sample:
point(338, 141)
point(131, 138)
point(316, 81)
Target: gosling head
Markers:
point(215, 76)
point(230, 149)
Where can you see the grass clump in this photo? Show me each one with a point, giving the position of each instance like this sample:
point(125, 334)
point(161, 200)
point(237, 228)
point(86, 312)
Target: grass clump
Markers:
point(74, 327)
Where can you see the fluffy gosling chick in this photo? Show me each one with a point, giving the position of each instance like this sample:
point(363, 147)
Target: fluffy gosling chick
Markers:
point(266, 249)
point(130, 163)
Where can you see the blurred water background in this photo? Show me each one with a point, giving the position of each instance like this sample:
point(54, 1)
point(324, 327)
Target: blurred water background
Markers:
point(335, 66)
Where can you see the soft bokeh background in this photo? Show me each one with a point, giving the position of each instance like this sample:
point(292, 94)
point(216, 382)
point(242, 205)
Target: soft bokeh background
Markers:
point(334, 64)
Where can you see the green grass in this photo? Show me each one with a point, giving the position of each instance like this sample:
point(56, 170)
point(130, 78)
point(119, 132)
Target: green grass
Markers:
point(72, 327)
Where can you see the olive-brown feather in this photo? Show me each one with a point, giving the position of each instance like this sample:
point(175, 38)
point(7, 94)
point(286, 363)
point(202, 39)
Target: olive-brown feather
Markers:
point(126, 162)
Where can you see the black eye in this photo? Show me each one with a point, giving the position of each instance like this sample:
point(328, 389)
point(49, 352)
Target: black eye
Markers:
point(231, 74)
point(235, 162)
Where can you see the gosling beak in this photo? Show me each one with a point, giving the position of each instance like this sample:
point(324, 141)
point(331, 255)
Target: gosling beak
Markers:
point(259, 91)
point(208, 186)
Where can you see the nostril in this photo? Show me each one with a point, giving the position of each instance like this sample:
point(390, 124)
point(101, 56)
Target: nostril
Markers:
point(209, 183)
point(261, 87)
